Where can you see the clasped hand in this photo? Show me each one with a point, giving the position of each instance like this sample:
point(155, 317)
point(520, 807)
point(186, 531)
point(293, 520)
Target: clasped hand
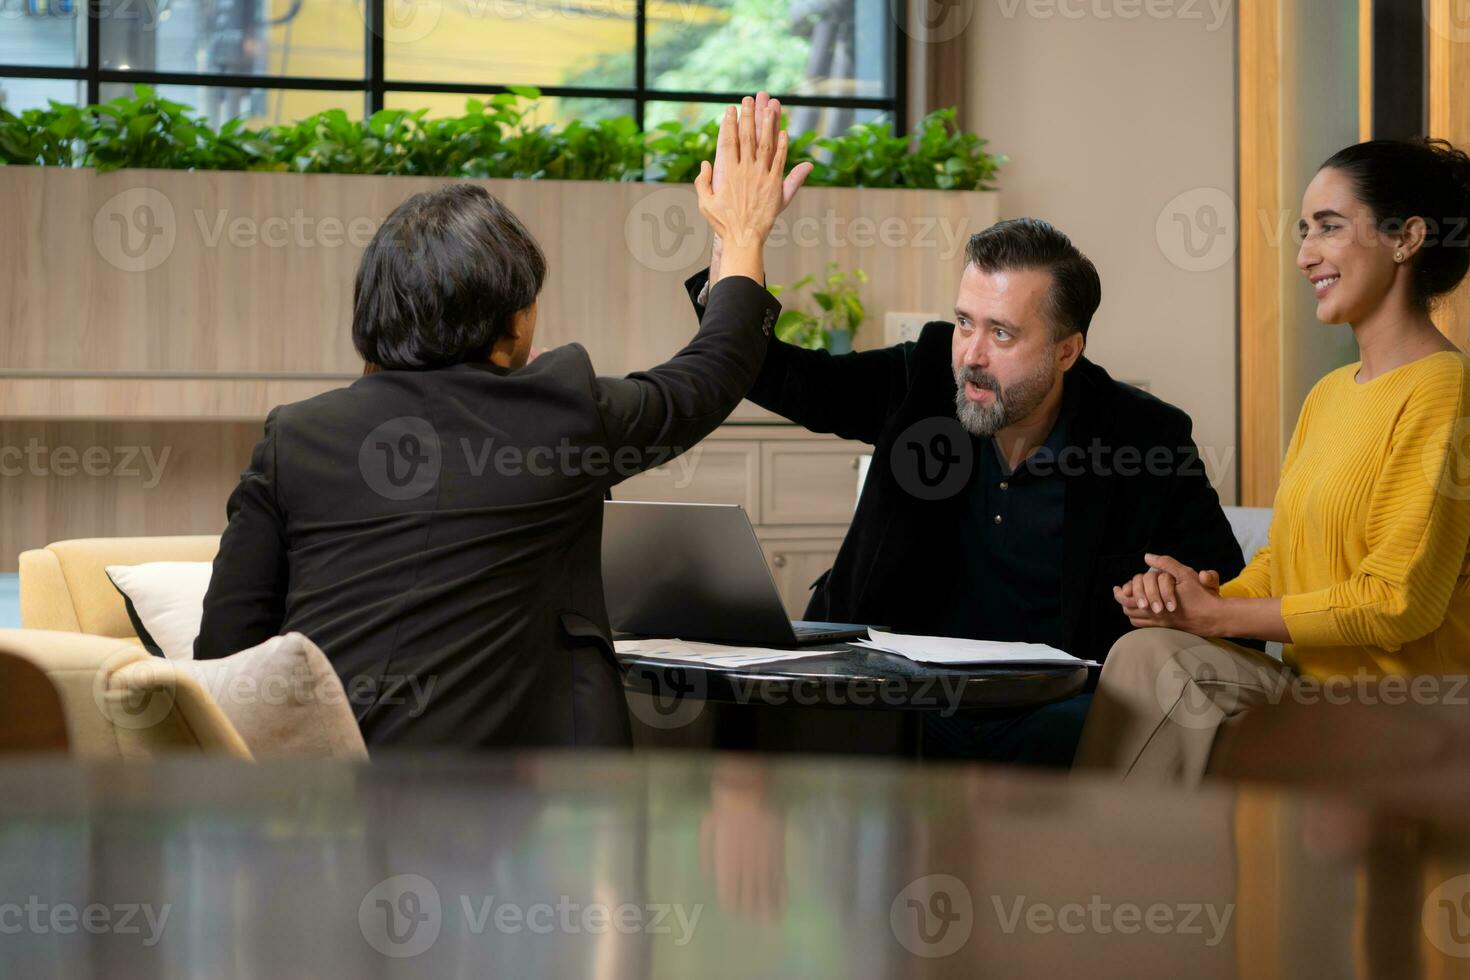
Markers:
point(1171, 595)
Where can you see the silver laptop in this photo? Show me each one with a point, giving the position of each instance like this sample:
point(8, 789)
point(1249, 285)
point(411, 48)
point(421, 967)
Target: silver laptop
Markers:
point(696, 572)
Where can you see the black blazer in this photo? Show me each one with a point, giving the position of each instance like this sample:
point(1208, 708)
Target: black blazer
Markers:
point(902, 550)
point(438, 533)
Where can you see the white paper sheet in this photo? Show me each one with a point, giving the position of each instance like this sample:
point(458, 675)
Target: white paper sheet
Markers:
point(711, 654)
point(951, 650)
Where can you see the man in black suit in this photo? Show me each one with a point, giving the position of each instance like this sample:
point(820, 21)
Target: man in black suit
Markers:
point(436, 527)
point(1014, 484)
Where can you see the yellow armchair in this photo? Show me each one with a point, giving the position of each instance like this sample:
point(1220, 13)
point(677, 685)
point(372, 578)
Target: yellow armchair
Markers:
point(64, 587)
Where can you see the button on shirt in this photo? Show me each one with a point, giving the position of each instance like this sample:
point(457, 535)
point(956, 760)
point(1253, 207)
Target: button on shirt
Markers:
point(1013, 543)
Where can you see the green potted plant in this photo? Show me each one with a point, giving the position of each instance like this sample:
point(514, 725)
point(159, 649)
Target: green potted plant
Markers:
point(840, 312)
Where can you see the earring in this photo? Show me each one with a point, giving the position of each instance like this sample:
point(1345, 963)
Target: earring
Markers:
point(1398, 256)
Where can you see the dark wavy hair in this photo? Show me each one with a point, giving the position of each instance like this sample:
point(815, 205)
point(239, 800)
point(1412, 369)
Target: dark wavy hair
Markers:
point(1429, 179)
point(1030, 243)
point(442, 279)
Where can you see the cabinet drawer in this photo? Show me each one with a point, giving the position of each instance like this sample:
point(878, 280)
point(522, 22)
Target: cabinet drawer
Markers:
point(714, 472)
point(809, 482)
point(797, 563)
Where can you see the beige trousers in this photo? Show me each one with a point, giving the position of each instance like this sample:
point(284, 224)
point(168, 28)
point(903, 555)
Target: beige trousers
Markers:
point(1162, 699)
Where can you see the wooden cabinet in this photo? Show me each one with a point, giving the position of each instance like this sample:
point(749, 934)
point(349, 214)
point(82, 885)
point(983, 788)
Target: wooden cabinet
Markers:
point(797, 562)
point(809, 481)
point(717, 471)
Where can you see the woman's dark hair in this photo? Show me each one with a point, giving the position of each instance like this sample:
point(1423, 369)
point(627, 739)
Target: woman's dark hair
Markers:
point(1030, 243)
point(1429, 179)
point(441, 280)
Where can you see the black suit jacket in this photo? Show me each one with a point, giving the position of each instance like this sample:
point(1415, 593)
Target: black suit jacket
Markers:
point(438, 533)
point(1138, 486)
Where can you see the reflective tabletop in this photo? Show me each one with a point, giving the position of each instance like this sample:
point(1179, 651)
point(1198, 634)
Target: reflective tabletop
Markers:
point(584, 865)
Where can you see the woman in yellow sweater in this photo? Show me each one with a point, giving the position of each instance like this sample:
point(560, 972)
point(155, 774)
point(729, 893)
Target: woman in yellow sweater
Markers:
point(1366, 571)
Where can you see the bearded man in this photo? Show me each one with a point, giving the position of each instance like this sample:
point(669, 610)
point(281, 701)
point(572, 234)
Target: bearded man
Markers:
point(1014, 483)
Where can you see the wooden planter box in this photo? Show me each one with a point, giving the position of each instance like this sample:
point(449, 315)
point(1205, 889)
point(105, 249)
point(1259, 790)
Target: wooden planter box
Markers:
point(145, 294)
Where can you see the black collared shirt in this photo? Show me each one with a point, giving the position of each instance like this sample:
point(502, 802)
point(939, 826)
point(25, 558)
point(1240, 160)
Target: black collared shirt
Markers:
point(1012, 542)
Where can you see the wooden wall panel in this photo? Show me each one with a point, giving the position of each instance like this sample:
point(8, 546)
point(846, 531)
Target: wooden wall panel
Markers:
point(197, 273)
point(1449, 118)
point(1260, 263)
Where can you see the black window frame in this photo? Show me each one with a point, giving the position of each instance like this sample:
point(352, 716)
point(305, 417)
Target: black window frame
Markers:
point(375, 85)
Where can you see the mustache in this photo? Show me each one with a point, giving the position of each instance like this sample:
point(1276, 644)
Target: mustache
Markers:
point(979, 378)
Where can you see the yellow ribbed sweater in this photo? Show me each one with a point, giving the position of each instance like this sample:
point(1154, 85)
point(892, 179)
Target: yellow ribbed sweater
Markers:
point(1368, 542)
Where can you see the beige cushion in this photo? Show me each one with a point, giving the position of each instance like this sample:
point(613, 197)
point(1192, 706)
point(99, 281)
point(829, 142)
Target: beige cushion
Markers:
point(64, 586)
point(168, 597)
point(282, 696)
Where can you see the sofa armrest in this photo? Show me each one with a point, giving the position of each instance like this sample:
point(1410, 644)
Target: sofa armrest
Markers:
point(122, 703)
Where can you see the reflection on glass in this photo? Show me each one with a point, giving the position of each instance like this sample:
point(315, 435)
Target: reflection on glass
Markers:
point(544, 111)
point(321, 38)
point(42, 32)
point(19, 94)
point(258, 106)
point(509, 42)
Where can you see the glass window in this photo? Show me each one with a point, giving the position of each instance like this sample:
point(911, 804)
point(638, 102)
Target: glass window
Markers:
point(837, 54)
point(510, 42)
point(258, 106)
point(315, 38)
point(42, 32)
point(18, 94)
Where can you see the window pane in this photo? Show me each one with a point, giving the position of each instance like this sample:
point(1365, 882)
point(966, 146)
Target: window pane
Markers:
point(320, 38)
point(826, 120)
point(801, 47)
point(17, 94)
point(259, 106)
point(557, 112)
point(42, 32)
point(511, 42)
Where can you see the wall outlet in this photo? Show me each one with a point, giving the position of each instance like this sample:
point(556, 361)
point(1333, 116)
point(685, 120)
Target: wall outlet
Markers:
point(900, 328)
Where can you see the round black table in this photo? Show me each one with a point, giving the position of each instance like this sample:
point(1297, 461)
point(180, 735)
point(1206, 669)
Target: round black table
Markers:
point(851, 699)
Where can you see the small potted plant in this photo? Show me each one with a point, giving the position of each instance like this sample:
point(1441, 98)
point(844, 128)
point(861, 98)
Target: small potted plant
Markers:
point(839, 315)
